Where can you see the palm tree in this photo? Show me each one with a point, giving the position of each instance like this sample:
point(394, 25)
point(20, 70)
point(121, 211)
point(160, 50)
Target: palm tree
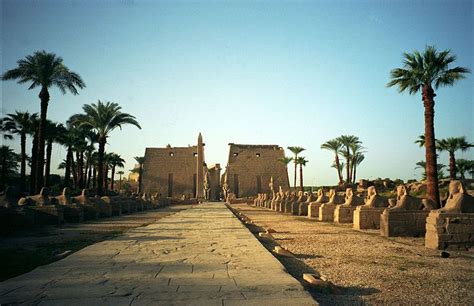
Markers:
point(302, 162)
point(53, 133)
point(422, 165)
point(356, 161)
point(20, 123)
point(463, 166)
point(44, 70)
point(422, 72)
point(103, 118)
point(34, 152)
point(140, 160)
point(69, 138)
point(295, 151)
point(120, 173)
point(335, 146)
point(348, 141)
point(115, 161)
point(451, 145)
point(8, 165)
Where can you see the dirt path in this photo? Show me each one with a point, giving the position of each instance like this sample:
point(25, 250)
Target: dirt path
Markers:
point(366, 267)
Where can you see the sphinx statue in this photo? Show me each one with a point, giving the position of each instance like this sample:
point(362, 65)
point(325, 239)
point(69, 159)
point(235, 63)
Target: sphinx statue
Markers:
point(375, 200)
point(41, 199)
point(405, 201)
point(303, 206)
point(458, 200)
point(313, 207)
point(352, 199)
point(64, 198)
point(322, 198)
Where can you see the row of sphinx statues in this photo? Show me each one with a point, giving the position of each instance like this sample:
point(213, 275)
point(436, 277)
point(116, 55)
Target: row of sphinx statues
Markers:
point(458, 201)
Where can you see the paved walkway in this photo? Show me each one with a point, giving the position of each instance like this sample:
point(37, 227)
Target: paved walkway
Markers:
point(200, 256)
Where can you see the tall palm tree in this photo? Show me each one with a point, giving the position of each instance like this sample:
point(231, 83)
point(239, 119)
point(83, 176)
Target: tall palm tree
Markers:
point(356, 161)
point(451, 145)
point(423, 72)
point(335, 146)
point(295, 151)
point(8, 165)
point(34, 152)
point(45, 70)
point(53, 133)
point(140, 160)
point(120, 173)
point(422, 165)
point(69, 138)
point(103, 118)
point(20, 123)
point(302, 162)
point(463, 166)
point(115, 161)
point(347, 141)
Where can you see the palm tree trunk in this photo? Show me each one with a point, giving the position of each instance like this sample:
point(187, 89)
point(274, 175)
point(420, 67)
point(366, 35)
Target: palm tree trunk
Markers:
point(44, 97)
point(354, 174)
point(120, 182)
point(112, 179)
point(34, 158)
point(23, 162)
point(73, 171)
point(431, 163)
point(140, 179)
point(339, 174)
point(47, 168)
point(348, 164)
point(106, 173)
point(294, 181)
point(67, 171)
point(452, 166)
point(94, 177)
point(301, 177)
point(100, 170)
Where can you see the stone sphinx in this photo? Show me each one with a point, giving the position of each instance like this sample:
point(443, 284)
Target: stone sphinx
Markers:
point(41, 208)
point(313, 207)
point(452, 226)
point(289, 203)
point(284, 199)
point(406, 215)
point(405, 201)
point(8, 198)
point(367, 216)
point(326, 210)
point(72, 212)
point(300, 198)
point(459, 201)
point(98, 209)
point(303, 206)
point(344, 212)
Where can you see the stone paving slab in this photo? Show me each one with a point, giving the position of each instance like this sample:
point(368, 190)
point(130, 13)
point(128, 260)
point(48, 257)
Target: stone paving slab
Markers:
point(200, 256)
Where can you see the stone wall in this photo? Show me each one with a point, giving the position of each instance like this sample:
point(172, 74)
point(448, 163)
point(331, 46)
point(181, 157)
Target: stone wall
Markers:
point(403, 223)
point(449, 231)
point(250, 168)
point(177, 164)
point(214, 182)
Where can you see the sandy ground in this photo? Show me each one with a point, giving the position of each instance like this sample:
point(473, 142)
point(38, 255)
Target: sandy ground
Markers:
point(366, 267)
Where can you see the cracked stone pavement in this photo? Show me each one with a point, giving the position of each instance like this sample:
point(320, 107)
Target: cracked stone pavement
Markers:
point(200, 256)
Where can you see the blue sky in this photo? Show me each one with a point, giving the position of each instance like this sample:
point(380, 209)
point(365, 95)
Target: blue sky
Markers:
point(267, 72)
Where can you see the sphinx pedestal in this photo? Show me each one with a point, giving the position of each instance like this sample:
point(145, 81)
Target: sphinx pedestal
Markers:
point(326, 212)
point(303, 209)
point(73, 213)
point(344, 214)
point(48, 214)
point(403, 223)
point(313, 210)
point(90, 212)
point(452, 231)
point(367, 217)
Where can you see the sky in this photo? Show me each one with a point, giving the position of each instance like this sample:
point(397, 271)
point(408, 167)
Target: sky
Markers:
point(291, 73)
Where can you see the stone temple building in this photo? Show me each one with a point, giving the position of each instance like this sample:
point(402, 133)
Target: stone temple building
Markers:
point(180, 171)
point(251, 169)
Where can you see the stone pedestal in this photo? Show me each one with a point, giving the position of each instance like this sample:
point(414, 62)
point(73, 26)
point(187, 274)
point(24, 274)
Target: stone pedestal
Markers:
point(344, 214)
point(403, 223)
point(313, 210)
point(452, 231)
point(367, 217)
point(326, 212)
point(125, 206)
point(73, 214)
point(90, 212)
point(294, 208)
point(49, 214)
point(303, 209)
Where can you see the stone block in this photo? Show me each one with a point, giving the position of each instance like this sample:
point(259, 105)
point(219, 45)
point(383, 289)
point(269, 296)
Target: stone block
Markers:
point(48, 214)
point(403, 223)
point(313, 210)
point(344, 214)
point(303, 209)
point(451, 231)
point(367, 217)
point(326, 212)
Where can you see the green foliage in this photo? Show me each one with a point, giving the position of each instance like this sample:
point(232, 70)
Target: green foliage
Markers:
point(9, 161)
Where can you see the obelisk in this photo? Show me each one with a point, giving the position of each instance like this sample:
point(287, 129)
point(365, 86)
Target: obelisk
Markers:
point(199, 169)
